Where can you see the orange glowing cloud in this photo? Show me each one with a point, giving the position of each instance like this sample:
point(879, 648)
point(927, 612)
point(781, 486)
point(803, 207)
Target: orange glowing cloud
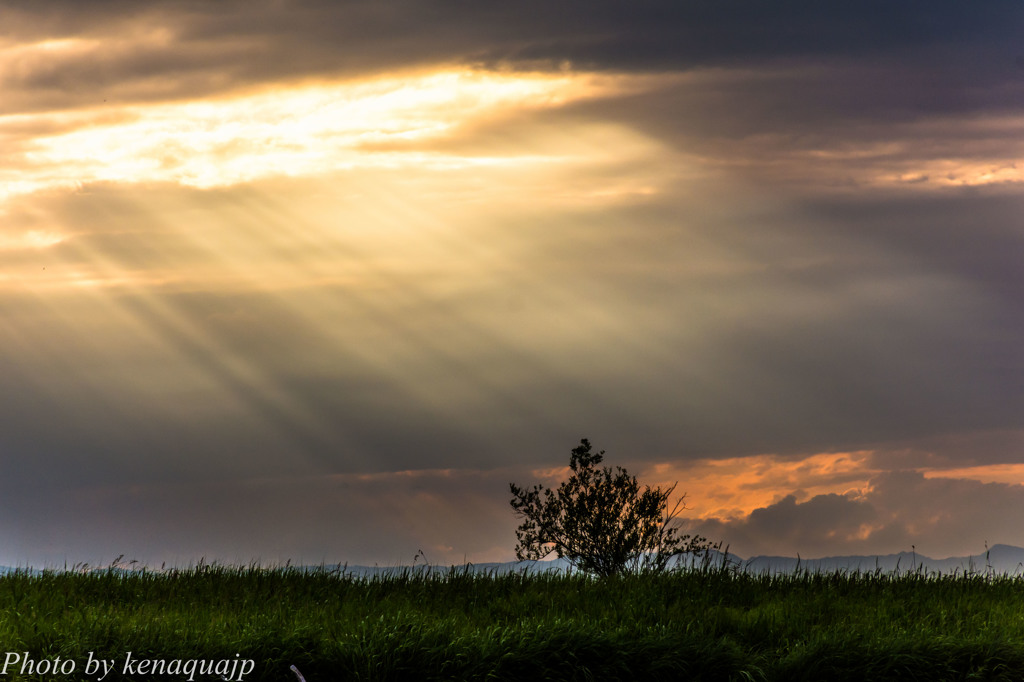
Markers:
point(1012, 474)
point(733, 487)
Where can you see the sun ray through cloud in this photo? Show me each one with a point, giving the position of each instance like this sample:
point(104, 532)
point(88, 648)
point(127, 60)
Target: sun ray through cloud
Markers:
point(406, 252)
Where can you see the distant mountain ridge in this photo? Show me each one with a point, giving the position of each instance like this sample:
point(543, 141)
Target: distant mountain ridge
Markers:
point(996, 560)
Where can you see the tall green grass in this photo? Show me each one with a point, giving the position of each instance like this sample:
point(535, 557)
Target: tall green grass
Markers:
point(711, 624)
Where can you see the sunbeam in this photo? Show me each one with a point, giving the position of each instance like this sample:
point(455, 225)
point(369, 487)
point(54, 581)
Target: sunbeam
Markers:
point(299, 250)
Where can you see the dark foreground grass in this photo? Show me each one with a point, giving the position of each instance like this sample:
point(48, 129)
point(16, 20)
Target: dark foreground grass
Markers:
point(702, 625)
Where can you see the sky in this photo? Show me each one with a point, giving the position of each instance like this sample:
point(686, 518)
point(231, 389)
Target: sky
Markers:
point(316, 280)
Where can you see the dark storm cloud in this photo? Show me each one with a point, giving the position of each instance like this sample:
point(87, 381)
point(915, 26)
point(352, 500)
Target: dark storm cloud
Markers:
point(940, 517)
point(820, 333)
point(746, 306)
point(737, 329)
point(172, 49)
point(384, 519)
point(943, 451)
point(795, 106)
point(973, 237)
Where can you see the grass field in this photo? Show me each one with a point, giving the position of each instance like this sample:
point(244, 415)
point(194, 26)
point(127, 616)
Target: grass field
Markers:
point(700, 625)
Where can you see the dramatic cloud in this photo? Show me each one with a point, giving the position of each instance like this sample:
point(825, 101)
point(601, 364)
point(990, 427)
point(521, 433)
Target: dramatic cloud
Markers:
point(949, 517)
point(398, 253)
point(382, 519)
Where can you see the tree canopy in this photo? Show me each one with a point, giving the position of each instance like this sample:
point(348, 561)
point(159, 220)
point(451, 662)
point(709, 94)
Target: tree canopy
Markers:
point(600, 520)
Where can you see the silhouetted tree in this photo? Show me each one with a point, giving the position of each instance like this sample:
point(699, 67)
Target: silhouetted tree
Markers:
point(600, 520)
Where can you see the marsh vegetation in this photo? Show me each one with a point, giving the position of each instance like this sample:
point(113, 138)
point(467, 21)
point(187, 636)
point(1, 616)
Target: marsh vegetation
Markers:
point(710, 624)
